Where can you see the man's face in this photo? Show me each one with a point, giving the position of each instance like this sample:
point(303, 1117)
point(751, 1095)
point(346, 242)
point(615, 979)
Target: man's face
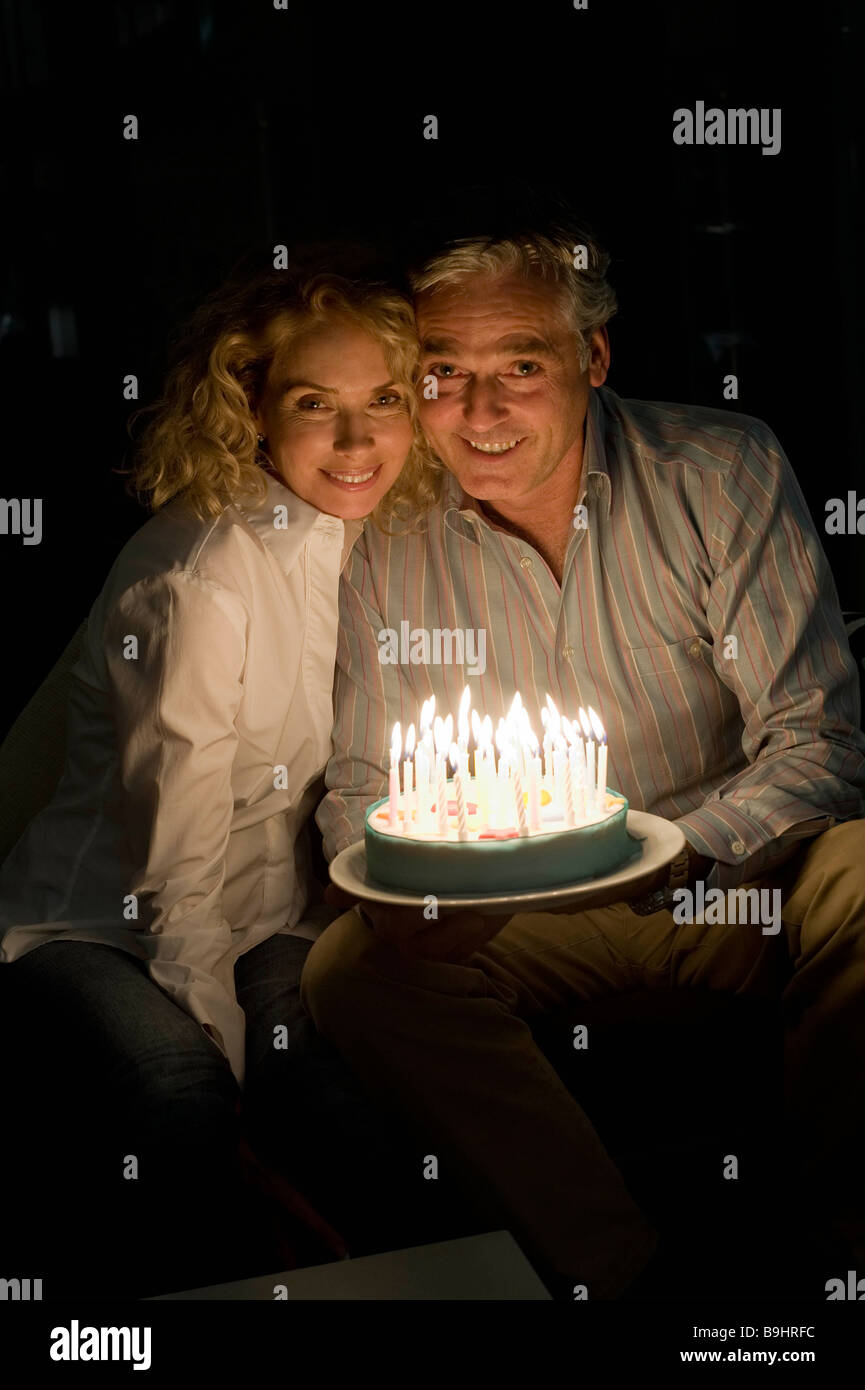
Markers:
point(512, 398)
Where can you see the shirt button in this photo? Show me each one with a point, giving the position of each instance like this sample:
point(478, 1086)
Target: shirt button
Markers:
point(567, 653)
point(694, 649)
point(830, 821)
point(526, 562)
point(737, 847)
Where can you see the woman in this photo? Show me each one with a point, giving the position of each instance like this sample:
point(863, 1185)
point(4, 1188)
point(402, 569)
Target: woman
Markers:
point(168, 883)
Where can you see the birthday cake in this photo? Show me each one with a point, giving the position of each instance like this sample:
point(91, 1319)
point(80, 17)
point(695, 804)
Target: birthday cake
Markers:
point(530, 817)
point(476, 858)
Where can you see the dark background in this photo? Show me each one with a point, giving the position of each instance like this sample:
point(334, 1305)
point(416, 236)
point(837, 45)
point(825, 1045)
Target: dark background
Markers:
point(259, 126)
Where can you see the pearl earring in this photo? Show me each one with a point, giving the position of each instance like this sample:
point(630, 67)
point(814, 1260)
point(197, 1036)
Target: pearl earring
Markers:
point(261, 439)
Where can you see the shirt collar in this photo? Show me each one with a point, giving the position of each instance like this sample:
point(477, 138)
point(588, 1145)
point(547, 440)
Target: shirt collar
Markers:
point(462, 512)
point(298, 522)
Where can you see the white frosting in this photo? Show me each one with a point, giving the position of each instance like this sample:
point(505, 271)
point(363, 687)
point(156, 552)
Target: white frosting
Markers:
point(552, 817)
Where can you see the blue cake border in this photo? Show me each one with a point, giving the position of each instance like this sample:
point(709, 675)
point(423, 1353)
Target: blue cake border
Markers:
point(521, 865)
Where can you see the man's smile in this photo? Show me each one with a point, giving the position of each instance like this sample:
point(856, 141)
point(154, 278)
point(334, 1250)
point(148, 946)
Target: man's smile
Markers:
point(504, 447)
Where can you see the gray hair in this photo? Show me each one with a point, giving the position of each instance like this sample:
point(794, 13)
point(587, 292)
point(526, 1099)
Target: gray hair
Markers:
point(588, 301)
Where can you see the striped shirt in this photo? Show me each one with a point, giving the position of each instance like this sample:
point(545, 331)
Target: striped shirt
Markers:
point(697, 614)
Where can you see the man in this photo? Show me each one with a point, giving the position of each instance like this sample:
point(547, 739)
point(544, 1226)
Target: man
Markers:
point(609, 550)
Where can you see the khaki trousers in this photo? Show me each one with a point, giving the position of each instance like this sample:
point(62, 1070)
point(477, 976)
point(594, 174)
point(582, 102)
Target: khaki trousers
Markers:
point(450, 1045)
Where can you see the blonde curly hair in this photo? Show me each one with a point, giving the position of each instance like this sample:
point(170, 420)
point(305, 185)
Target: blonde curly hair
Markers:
point(202, 443)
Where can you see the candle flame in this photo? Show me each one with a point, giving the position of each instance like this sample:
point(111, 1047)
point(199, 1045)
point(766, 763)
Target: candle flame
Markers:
point(513, 738)
point(597, 726)
point(555, 720)
point(463, 716)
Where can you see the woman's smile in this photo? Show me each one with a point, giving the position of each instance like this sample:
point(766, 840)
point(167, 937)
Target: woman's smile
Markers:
point(353, 480)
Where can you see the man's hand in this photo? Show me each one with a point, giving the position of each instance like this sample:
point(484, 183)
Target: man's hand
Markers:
point(699, 867)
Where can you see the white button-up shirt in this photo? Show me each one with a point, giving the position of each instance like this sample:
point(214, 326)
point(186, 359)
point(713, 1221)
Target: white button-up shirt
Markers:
point(199, 725)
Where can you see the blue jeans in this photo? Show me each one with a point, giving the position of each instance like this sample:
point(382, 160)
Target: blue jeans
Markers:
point(111, 1073)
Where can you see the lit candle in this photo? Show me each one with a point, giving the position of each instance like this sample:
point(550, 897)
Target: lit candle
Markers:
point(486, 773)
point(560, 771)
point(442, 742)
point(554, 735)
point(570, 809)
point(600, 735)
point(485, 788)
point(590, 761)
point(511, 727)
point(393, 778)
point(501, 808)
point(477, 735)
point(526, 736)
point(487, 730)
point(463, 724)
point(462, 818)
point(576, 767)
point(423, 763)
point(408, 787)
point(477, 729)
point(534, 780)
point(548, 748)
point(421, 795)
point(426, 724)
point(522, 823)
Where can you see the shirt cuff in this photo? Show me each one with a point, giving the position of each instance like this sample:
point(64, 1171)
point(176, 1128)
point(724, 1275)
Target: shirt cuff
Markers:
point(739, 845)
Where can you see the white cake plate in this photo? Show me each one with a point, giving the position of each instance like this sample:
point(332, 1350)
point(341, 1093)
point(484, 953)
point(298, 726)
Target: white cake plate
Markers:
point(660, 839)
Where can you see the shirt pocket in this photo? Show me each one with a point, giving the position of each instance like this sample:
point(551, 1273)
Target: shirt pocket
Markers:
point(689, 652)
point(684, 714)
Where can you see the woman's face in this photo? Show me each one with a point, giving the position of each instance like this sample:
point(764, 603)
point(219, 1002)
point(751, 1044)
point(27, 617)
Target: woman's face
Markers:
point(335, 427)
